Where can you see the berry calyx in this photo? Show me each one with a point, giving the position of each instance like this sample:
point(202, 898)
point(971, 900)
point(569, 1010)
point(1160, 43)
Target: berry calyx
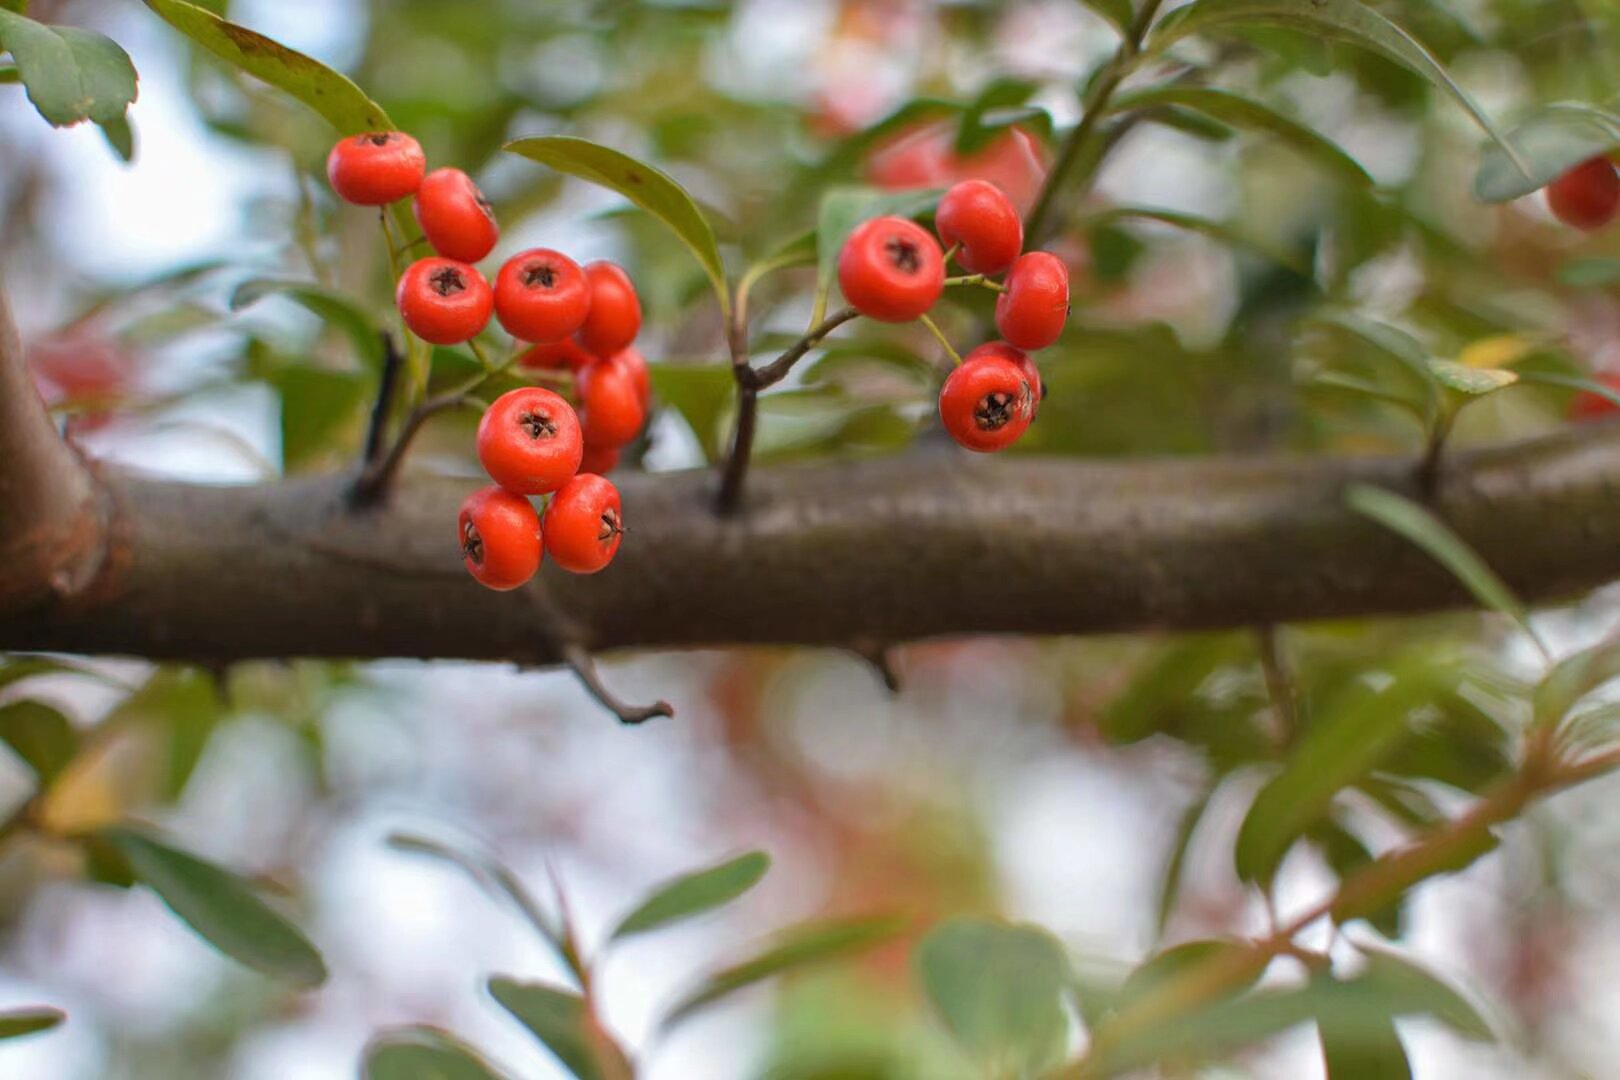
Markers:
point(376, 168)
point(977, 216)
point(499, 534)
point(611, 399)
point(1025, 364)
point(541, 296)
point(1031, 313)
point(443, 301)
point(1587, 196)
point(1587, 406)
point(891, 269)
point(615, 315)
point(455, 217)
point(529, 441)
point(583, 524)
point(986, 403)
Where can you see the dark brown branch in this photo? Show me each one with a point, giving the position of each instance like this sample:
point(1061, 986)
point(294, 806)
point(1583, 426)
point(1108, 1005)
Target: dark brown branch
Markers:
point(383, 407)
point(886, 550)
point(380, 473)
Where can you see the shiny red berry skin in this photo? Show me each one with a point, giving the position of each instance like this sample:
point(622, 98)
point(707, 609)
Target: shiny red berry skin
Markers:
point(1031, 313)
point(564, 355)
point(1587, 406)
point(1026, 365)
point(1587, 196)
point(986, 403)
point(376, 168)
point(610, 399)
point(529, 441)
point(600, 460)
point(455, 217)
point(541, 295)
point(583, 524)
point(615, 316)
point(976, 215)
point(499, 534)
point(891, 269)
point(632, 360)
point(443, 301)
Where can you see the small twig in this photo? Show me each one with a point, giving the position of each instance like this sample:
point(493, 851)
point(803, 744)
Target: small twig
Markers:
point(578, 658)
point(775, 371)
point(383, 407)
point(939, 336)
point(376, 479)
point(981, 280)
point(882, 661)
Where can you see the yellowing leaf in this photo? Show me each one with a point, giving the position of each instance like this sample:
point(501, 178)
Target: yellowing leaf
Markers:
point(1499, 351)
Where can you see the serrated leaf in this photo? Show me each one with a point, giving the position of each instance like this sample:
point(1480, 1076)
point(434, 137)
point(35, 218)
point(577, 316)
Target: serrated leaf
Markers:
point(694, 894)
point(1549, 144)
point(649, 188)
point(221, 907)
point(843, 208)
point(41, 736)
point(560, 1020)
point(70, 74)
point(1340, 20)
point(335, 309)
point(329, 93)
point(15, 1023)
point(421, 1053)
point(1239, 111)
point(1471, 381)
point(797, 948)
point(998, 989)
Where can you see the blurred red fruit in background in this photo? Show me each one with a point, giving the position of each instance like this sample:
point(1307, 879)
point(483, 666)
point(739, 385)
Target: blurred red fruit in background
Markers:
point(923, 157)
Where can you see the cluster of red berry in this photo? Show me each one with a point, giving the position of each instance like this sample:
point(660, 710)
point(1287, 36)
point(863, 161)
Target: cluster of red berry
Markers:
point(893, 270)
point(1587, 196)
point(531, 440)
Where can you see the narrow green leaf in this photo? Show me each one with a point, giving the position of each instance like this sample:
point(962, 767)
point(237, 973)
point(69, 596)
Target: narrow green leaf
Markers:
point(421, 1053)
point(1339, 20)
point(1415, 990)
point(15, 1023)
point(1471, 381)
point(1117, 12)
point(336, 309)
point(1595, 273)
point(1161, 970)
point(1550, 143)
point(1575, 677)
point(70, 74)
point(999, 990)
point(695, 893)
point(702, 393)
point(649, 188)
point(1230, 108)
point(1215, 230)
point(1176, 865)
point(221, 907)
point(1421, 527)
point(491, 876)
point(843, 208)
point(329, 93)
point(797, 948)
point(994, 110)
point(317, 406)
point(41, 736)
point(560, 1020)
point(1361, 1045)
point(1571, 382)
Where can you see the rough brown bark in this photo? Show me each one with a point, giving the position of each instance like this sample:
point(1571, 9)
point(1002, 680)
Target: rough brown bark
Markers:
point(868, 552)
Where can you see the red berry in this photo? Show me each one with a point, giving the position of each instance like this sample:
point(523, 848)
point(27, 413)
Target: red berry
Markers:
point(455, 217)
point(891, 269)
point(1031, 313)
point(529, 441)
point(376, 168)
point(583, 524)
point(1026, 365)
point(986, 403)
point(540, 295)
point(636, 364)
point(611, 399)
point(1587, 196)
point(556, 356)
point(443, 301)
point(499, 533)
point(925, 156)
point(976, 215)
point(600, 460)
point(615, 316)
point(1589, 406)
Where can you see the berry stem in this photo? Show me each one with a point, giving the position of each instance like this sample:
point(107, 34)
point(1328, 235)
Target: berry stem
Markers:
point(939, 335)
point(981, 280)
point(388, 238)
point(483, 357)
point(950, 253)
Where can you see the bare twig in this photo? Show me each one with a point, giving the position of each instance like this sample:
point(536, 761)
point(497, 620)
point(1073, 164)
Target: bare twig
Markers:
point(578, 658)
point(383, 407)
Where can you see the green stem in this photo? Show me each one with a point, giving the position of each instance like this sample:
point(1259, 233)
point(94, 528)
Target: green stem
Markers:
point(981, 280)
point(939, 335)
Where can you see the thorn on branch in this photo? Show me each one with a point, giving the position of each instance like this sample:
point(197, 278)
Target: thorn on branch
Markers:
point(882, 661)
point(579, 659)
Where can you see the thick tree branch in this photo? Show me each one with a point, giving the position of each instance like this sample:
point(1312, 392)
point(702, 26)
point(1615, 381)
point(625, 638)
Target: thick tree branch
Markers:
point(883, 550)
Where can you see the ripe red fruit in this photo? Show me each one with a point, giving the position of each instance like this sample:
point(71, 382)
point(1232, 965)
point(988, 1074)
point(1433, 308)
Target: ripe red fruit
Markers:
point(611, 399)
point(455, 217)
point(976, 215)
point(986, 403)
point(1586, 406)
point(529, 441)
point(615, 316)
point(1587, 196)
point(499, 533)
point(1025, 364)
point(925, 157)
point(1031, 313)
point(376, 168)
point(891, 269)
point(443, 301)
point(583, 524)
point(600, 460)
point(540, 295)
point(564, 355)
point(636, 364)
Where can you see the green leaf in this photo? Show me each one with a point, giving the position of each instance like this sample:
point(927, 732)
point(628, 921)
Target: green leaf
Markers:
point(993, 111)
point(491, 876)
point(1215, 230)
point(695, 893)
point(221, 907)
point(999, 990)
point(1573, 678)
point(330, 94)
point(1471, 381)
point(1571, 382)
point(183, 705)
point(1361, 1045)
point(15, 1023)
point(560, 1020)
point(1160, 971)
point(702, 394)
point(1550, 143)
point(317, 405)
point(332, 307)
point(1240, 111)
point(1338, 20)
point(1415, 990)
point(70, 74)
point(421, 1053)
point(799, 947)
point(1117, 12)
point(121, 137)
point(843, 208)
point(41, 736)
point(649, 188)
point(1595, 273)
point(1421, 527)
